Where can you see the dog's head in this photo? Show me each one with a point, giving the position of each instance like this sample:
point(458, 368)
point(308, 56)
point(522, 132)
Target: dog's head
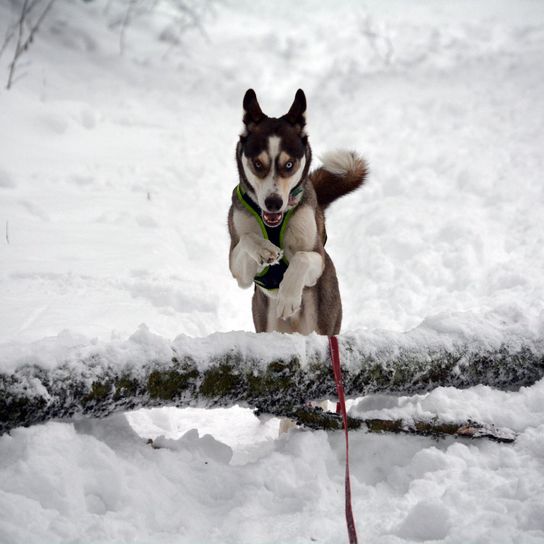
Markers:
point(273, 156)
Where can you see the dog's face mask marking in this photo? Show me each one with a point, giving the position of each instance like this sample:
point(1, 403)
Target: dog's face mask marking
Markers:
point(273, 153)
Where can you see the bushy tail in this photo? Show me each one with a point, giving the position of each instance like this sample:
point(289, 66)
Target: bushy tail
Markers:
point(341, 173)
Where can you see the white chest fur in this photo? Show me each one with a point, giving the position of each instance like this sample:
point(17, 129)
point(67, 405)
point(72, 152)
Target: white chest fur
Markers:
point(301, 232)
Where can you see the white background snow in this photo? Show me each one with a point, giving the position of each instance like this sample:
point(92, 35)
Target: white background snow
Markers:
point(115, 180)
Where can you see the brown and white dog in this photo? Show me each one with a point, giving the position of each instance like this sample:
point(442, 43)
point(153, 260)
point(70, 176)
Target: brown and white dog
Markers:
point(277, 223)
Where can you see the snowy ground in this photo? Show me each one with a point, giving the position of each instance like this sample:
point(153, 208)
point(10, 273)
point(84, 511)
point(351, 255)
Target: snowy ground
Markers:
point(115, 179)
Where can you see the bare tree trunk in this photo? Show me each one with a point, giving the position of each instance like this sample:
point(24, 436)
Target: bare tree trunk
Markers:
point(99, 383)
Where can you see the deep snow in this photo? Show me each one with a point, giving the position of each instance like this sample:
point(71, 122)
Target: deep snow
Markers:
point(115, 179)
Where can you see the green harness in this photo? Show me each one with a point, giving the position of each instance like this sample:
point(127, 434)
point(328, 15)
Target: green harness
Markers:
point(270, 277)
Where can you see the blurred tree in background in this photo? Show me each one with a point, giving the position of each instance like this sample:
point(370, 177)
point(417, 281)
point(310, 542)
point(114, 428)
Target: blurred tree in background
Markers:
point(31, 14)
point(172, 19)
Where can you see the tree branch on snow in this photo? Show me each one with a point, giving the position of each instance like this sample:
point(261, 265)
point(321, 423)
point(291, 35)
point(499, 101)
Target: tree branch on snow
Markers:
point(8, 36)
point(25, 25)
point(274, 373)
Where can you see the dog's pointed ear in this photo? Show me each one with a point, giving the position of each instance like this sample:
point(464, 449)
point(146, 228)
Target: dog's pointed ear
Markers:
point(297, 113)
point(252, 110)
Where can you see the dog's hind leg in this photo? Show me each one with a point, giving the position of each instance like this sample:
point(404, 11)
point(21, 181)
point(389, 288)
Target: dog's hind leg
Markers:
point(329, 303)
point(259, 308)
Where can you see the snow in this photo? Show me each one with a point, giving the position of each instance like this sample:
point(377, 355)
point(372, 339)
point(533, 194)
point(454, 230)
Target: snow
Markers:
point(110, 486)
point(427, 520)
point(115, 181)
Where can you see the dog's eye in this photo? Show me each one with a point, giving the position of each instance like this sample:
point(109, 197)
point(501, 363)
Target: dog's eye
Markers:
point(289, 165)
point(257, 164)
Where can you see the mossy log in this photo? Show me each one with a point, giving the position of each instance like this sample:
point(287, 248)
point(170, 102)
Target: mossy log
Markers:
point(316, 418)
point(276, 374)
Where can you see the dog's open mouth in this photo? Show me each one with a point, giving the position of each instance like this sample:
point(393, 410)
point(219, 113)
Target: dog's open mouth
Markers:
point(272, 219)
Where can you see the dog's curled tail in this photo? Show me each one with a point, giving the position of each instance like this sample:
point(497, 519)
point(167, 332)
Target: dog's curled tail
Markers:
point(342, 172)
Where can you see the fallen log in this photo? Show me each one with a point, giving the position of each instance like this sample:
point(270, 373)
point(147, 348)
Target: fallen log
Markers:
point(273, 373)
point(316, 418)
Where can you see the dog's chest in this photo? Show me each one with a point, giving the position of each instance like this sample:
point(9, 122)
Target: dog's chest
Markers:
point(301, 232)
point(245, 223)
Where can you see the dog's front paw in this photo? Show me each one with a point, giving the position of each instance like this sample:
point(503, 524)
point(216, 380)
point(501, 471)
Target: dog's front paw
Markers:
point(266, 253)
point(289, 302)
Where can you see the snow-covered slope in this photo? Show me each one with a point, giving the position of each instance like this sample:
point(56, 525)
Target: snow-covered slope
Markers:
point(115, 179)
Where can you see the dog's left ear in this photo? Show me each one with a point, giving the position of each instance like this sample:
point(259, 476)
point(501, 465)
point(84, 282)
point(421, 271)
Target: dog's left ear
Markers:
point(297, 113)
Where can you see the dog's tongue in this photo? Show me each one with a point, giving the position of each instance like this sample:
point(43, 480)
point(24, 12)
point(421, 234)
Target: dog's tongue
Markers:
point(272, 219)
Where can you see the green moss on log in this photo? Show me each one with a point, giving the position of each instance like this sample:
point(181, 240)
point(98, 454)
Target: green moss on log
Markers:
point(125, 387)
point(99, 391)
point(278, 377)
point(316, 418)
point(220, 381)
point(436, 427)
point(440, 367)
point(378, 374)
point(385, 425)
point(170, 384)
point(426, 428)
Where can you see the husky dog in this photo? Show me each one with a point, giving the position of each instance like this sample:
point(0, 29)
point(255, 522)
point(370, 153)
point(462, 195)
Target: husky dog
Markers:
point(277, 223)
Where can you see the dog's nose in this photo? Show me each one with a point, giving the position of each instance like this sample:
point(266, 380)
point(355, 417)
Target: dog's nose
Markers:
point(273, 202)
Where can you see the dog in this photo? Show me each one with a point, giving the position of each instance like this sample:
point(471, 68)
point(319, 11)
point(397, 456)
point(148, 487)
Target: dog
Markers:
point(277, 223)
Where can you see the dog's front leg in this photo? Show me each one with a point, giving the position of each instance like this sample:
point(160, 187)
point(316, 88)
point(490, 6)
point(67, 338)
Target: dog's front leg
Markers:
point(249, 255)
point(304, 270)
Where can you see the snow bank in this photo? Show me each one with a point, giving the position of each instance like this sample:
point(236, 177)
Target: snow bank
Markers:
point(447, 332)
point(111, 486)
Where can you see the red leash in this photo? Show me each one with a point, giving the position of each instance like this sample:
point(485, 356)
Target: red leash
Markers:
point(335, 356)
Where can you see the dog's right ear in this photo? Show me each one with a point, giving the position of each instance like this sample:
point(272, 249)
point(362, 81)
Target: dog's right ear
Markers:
point(252, 110)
